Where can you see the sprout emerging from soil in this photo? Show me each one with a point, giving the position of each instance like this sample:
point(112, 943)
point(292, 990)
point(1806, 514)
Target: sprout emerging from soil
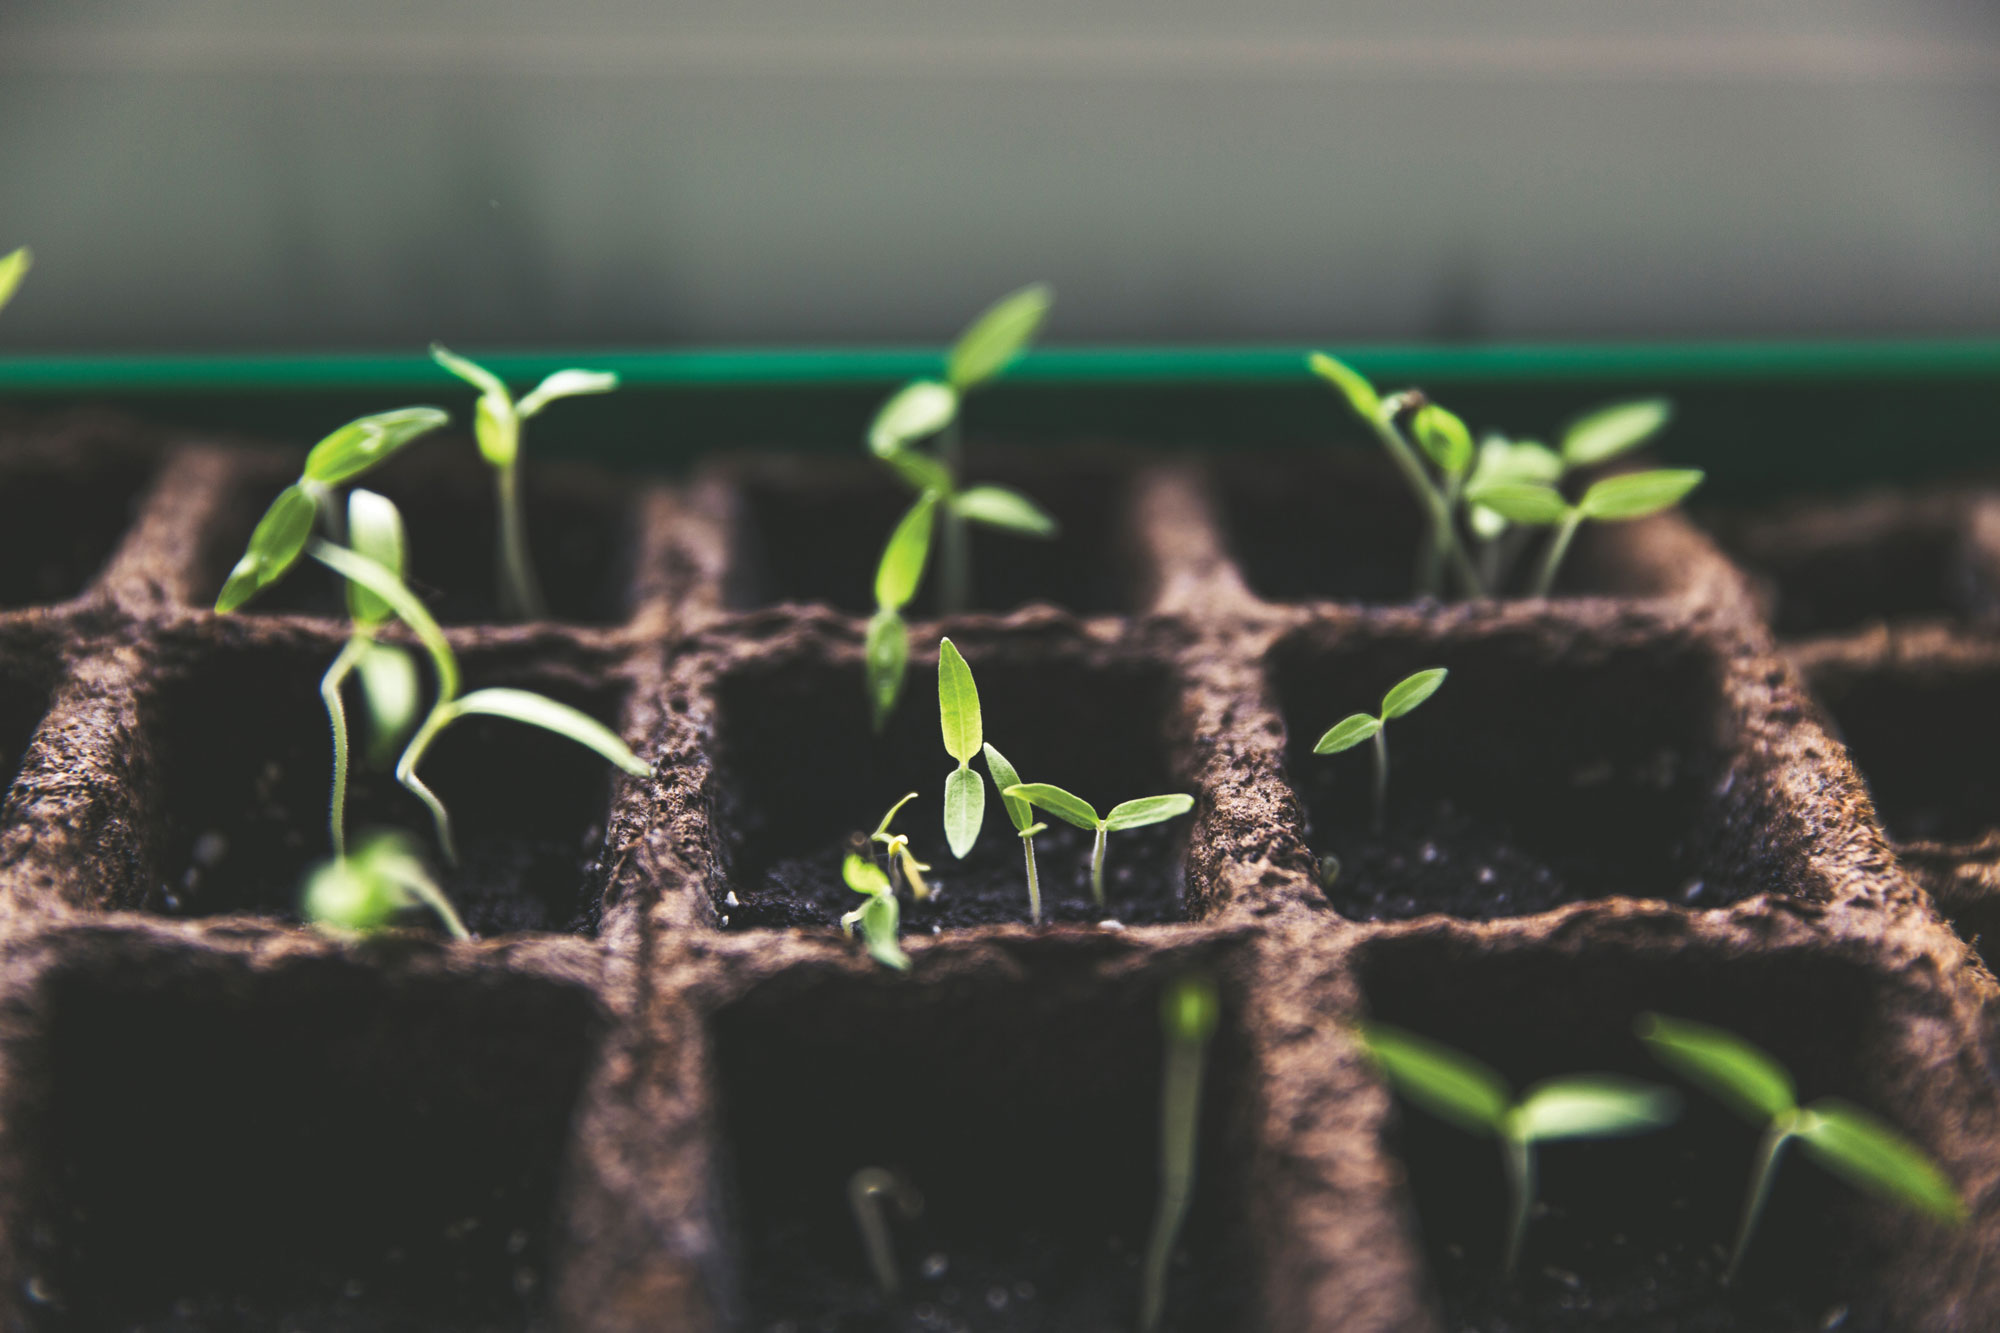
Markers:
point(958, 713)
point(367, 890)
point(1075, 810)
point(1022, 816)
point(535, 710)
point(496, 425)
point(896, 852)
point(1843, 1138)
point(13, 267)
point(1403, 697)
point(1189, 1010)
point(896, 582)
point(879, 917)
point(866, 1189)
point(1456, 1088)
point(1617, 499)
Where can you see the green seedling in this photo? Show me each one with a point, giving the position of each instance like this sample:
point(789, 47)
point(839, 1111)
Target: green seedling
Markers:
point(1189, 1011)
point(1022, 816)
point(348, 454)
point(1619, 499)
point(496, 425)
point(958, 714)
point(866, 1189)
point(523, 706)
point(1841, 1137)
point(1403, 697)
point(917, 412)
point(364, 891)
point(879, 917)
point(13, 267)
point(896, 853)
point(1466, 1093)
point(1075, 810)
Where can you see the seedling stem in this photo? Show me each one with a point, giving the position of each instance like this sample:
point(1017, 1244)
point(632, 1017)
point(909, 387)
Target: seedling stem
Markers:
point(1022, 815)
point(1403, 697)
point(1189, 1010)
point(1075, 810)
point(866, 1189)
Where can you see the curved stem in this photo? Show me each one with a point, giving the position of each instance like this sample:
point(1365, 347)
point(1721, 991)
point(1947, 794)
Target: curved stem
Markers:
point(336, 712)
point(1180, 1118)
point(1381, 780)
point(1097, 866)
point(1558, 547)
point(1762, 1174)
point(406, 773)
point(866, 1189)
point(1442, 530)
point(520, 593)
point(1519, 1157)
point(1034, 880)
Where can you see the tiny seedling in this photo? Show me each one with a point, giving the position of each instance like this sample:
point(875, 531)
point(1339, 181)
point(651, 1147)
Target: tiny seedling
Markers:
point(1350, 731)
point(958, 713)
point(917, 412)
point(879, 917)
point(365, 890)
point(13, 267)
point(866, 1189)
point(1075, 810)
point(1022, 816)
point(1466, 1093)
point(1619, 499)
point(896, 853)
point(1841, 1137)
point(1189, 1011)
point(496, 425)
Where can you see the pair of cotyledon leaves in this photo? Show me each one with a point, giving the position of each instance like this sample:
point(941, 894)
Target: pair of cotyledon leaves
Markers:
point(1403, 697)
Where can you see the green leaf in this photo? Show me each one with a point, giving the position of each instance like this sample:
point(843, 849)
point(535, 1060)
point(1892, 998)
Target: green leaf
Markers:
point(1444, 1082)
point(497, 429)
point(1604, 434)
point(366, 441)
point(916, 411)
point(864, 876)
point(274, 547)
point(1637, 494)
point(1019, 811)
point(478, 376)
point(880, 917)
point(1347, 733)
point(921, 471)
point(1046, 796)
point(565, 384)
point(1504, 460)
point(1147, 810)
point(881, 833)
point(1738, 1074)
point(537, 710)
point(958, 705)
point(1593, 1106)
point(1404, 696)
point(389, 689)
point(1444, 437)
point(360, 569)
point(887, 655)
point(964, 810)
point(1521, 502)
point(342, 895)
point(13, 268)
point(997, 336)
point(902, 569)
point(998, 507)
point(1361, 395)
point(1190, 1009)
point(1854, 1144)
point(374, 529)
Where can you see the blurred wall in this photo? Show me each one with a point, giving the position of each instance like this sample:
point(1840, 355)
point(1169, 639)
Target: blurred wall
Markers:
point(291, 173)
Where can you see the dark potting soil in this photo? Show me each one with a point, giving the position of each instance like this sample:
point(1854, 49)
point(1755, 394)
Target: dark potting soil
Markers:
point(1143, 882)
point(59, 527)
point(1924, 742)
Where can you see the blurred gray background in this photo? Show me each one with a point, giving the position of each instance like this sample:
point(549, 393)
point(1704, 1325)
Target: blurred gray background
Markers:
point(266, 174)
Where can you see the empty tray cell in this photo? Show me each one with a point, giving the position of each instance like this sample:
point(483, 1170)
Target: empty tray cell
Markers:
point(1633, 1234)
point(582, 534)
point(242, 772)
point(308, 1144)
point(800, 776)
point(806, 530)
point(1024, 1109)
point(1832, 565)
point(67, 495)
point(1339, 524)
point(1557, 763)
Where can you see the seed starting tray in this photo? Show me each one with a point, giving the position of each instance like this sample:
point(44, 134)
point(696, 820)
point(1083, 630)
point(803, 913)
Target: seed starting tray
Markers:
point(633, 1103)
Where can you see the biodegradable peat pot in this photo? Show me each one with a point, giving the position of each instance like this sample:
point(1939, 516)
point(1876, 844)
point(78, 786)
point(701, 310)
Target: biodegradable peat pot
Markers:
point(634, 1103)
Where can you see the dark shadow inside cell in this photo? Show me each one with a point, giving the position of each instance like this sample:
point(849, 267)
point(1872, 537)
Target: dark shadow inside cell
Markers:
point(61, 520)
point(1924, 740)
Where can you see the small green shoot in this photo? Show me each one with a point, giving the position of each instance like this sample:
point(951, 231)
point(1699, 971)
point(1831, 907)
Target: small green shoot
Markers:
point(1458, 1089)
point(1022, 816)
point(958, 714)
point(1618, 499)
point(367, 890)
point(1189, 1011)
point(896, 852)
point(1843, 1138)
point(1403, 697)
point(1075, 810)
point(496, 425)
point(14, 266)
point(866, 1189)
point(879, 917)
point(887, 653)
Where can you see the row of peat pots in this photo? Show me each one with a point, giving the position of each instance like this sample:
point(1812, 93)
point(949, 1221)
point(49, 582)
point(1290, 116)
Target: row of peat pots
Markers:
point(1731, 771)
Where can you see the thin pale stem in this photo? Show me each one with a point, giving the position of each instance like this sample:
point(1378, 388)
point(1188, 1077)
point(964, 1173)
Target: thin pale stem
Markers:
point(1034, 880)
point(1097, 866)
point(1776, 1136)
point(406, 773)
point(1180, 1118)
point(1381, 780)
point(336, 712)
point(865, 1192)
point(955, 572)
point(1442, 530)
point(433, 897)
point(1558, 547)
point(520, 593)
point(1518, 1156)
